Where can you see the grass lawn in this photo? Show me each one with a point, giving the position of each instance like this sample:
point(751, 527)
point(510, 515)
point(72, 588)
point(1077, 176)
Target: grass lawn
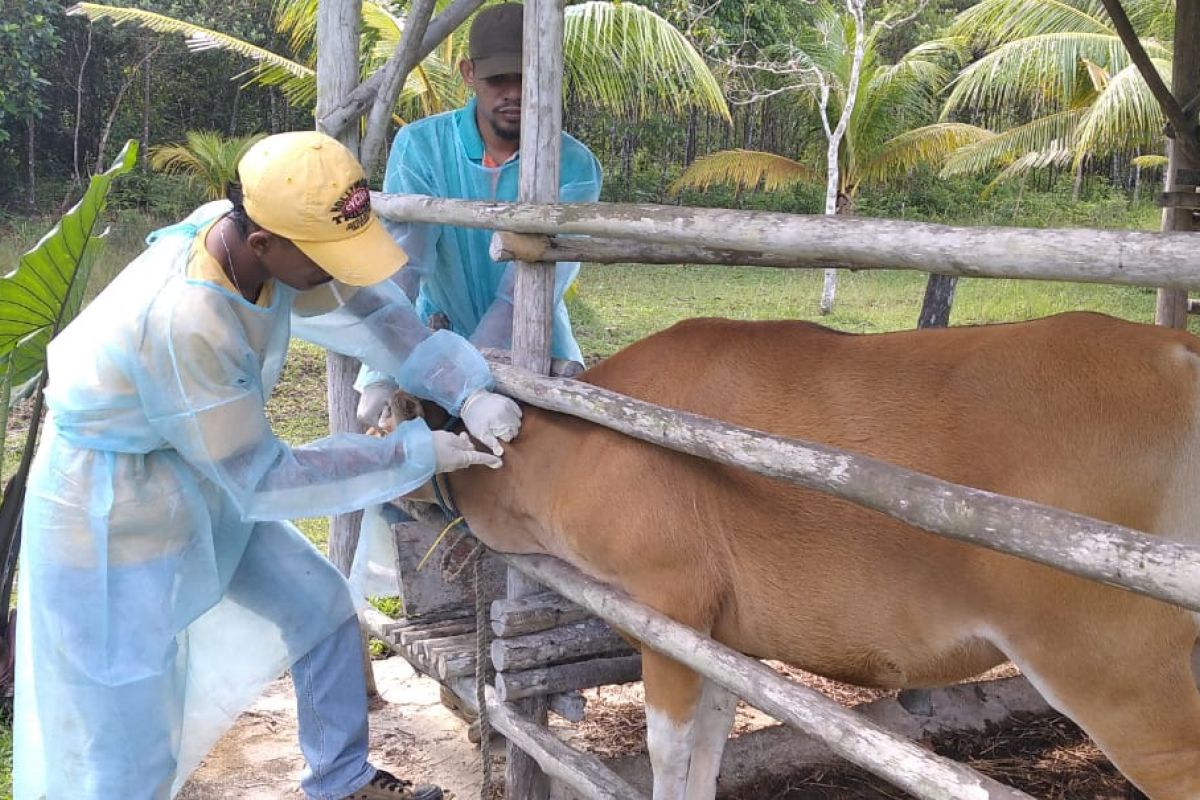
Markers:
point(619, 304)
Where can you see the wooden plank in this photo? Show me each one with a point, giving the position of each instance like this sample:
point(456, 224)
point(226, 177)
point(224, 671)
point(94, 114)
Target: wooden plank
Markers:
point(1088, 547)
point(435, 630)
point(582, 772)
point(1138, 258)
point(567, 677)
point(894, 758)
point(571, 642)
point(536, 612)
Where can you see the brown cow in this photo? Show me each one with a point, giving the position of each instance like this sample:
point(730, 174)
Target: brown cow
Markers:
point(1078, 411)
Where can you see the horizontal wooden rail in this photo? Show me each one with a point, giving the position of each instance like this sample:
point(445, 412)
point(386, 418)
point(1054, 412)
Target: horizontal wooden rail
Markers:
point(582, 772)
point(858, 740)
point(1081, 545)
point(1170, 260)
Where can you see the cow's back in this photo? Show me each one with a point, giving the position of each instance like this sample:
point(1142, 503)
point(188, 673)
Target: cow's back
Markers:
point(1078, 411)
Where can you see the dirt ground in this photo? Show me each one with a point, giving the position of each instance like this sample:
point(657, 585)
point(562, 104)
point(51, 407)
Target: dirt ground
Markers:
point(412, 735)
point(415, 736)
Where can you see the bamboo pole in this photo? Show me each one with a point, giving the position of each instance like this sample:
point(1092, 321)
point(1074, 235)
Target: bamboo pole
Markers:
point(1083, 546)
point(1090, 256)
point(867, 744)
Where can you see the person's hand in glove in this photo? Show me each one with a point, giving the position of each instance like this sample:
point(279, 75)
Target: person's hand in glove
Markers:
point(456, 451)
point(491, 418)
point(372, 402)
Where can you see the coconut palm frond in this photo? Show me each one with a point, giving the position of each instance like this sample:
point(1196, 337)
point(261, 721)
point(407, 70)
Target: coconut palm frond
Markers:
point(1043, 71)
point(207, 158)
point(1003, 148)
point(1054, 156)
point(993, 23)
point(299, 90)
point(1123, 117)
point(199, 38)
point(745, 169)
point(1149, 161)
point(298, 20)
point(928, 145)
point(1153, 19)
point(624, 57)
point(1098, 74)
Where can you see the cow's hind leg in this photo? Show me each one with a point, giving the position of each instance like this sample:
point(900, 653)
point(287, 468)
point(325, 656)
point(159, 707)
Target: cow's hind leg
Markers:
point(710, 731)
point(1126, 679)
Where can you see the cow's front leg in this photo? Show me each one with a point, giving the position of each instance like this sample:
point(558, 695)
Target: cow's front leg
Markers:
point(672, 694)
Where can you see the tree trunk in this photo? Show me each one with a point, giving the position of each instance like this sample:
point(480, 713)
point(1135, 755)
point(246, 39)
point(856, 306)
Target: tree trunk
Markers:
point(31, 160)
point(144, 153)
point(939, 298)
point(75, 164)
point(1171, 306)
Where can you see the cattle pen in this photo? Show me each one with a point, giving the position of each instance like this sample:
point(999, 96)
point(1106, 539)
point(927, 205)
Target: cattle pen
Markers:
point(538, 230)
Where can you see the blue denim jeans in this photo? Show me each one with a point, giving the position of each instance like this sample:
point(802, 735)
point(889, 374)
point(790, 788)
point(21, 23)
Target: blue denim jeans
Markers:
point(331, 705)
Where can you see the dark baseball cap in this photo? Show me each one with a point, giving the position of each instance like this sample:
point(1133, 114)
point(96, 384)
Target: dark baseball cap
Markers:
point(495, 40)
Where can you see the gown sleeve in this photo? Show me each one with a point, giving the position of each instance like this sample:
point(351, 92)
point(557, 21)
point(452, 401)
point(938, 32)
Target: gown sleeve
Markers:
point(201, 387)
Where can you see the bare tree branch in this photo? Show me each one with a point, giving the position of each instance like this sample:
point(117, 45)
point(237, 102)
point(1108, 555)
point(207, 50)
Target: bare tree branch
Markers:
point(359, 100)
point(395, 73)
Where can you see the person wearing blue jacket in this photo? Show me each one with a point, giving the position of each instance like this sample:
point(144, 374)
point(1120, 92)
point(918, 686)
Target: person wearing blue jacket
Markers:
point(161, 587)
point(472, 154)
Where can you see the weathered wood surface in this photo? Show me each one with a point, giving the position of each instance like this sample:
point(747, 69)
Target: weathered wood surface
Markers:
point(897, 760)
point(581, 771)
point(567, 677)
point(1137, 258)
point(1081, 545)
point(536, 612)
point(435, 630)
point(394, 73)
point(533, 292)
point(1171, 304)
point(337, 74)
point(347, 108)
point(507, 246)
point(571, 642)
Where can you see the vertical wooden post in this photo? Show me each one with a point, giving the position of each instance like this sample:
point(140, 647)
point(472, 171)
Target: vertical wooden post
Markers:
point(1171, 308)
point(541, 146)
point(337, 76)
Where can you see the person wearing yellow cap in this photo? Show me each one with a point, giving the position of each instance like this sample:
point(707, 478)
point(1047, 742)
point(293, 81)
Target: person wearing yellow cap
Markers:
point(161, 587)
point(472, 154)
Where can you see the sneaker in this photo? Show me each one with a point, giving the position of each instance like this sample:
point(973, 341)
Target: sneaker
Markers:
point(386, 786)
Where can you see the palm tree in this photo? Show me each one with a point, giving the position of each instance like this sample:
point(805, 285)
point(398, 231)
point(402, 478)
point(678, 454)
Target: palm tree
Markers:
point(620, 56)
point(1056, 84)
point(884, 137)
point(207, 158)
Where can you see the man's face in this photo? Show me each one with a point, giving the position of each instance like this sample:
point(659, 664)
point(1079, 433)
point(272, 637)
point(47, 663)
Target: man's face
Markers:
point(286, 262)
point(499, 100)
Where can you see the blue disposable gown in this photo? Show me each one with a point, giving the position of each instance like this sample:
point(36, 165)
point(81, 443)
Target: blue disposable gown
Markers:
point(442, 156)
point(160, 588)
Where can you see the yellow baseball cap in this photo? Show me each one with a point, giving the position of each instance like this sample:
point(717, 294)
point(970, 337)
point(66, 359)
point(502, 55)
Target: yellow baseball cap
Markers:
point(310, 189)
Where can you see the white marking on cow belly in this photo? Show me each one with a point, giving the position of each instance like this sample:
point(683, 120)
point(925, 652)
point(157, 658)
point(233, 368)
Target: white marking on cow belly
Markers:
point(670, 746)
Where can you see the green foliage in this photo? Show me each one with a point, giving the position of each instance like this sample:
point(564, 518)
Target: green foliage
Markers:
point(28, 42)
point(45, 292)
point(1057, 84)
point(207, 158)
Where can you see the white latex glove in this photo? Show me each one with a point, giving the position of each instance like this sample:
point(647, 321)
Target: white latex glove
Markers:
point(372, 402)
point(490, 418)
point(454, 451)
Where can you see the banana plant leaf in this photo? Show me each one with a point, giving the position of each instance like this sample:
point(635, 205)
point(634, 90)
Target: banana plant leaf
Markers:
point(37, 300)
